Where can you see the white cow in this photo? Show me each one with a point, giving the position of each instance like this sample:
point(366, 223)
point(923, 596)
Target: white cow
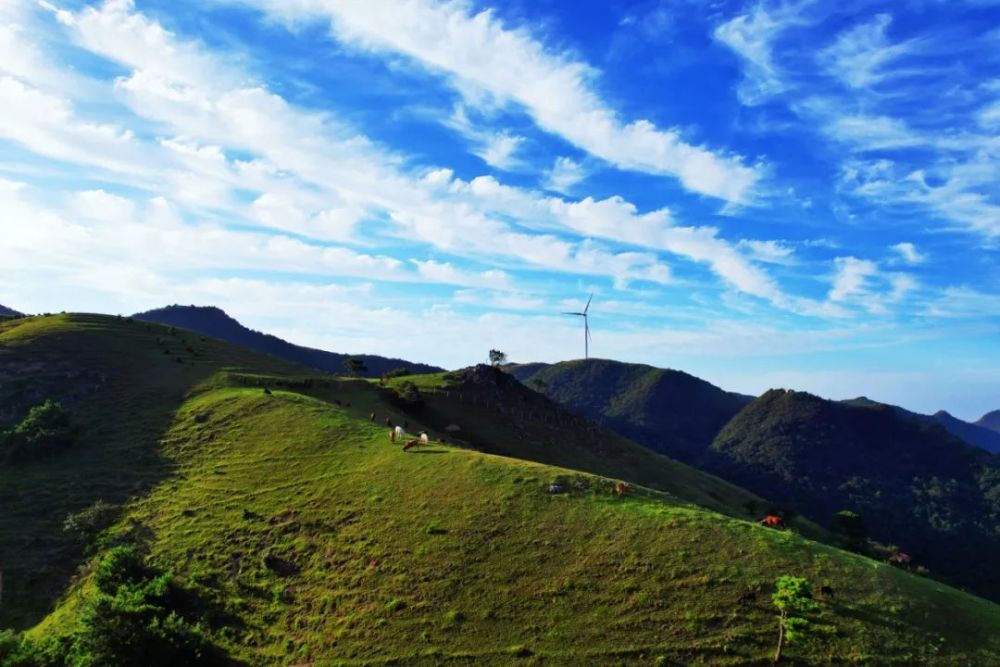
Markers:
point(400, 433)
point(423, 438)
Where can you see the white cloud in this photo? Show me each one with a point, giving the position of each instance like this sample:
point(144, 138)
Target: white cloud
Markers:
point(510, 65)
point(775, 252)
point(752, 36)
point(908, 253)
point(859, 55)
point(851, 277)
point(564, 175)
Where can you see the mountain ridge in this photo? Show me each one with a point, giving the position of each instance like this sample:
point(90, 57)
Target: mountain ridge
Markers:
point(215, 322)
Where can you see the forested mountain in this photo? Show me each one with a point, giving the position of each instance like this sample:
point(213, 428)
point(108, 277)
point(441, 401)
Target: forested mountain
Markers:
point(668, 411)
point(915, 484)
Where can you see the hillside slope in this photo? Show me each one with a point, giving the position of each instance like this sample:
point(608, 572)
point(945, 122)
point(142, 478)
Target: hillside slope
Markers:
point(295, 533)
point(211, 321)
point(668, 411)
point(4, 310)
point(915, 484)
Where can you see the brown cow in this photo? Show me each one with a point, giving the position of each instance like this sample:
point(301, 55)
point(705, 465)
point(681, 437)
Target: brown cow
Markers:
point(621, 488)
point(773, 521)
point(410, 444)
point(392, 435)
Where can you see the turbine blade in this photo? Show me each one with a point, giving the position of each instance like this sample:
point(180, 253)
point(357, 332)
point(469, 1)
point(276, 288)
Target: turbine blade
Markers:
point(587, 307)
point(580, 314)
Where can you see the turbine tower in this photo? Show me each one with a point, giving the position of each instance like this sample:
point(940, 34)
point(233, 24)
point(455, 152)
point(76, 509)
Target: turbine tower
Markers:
point(586, 327)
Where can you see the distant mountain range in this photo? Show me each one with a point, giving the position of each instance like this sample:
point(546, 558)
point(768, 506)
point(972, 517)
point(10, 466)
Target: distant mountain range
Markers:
point(668, 411)
point(4, 310)
point(972, 433)
point(990, 420)
point(214, 322)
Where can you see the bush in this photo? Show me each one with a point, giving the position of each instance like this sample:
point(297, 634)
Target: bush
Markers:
point(137, 617)
point(46, 428)
point(88, 522)
point(408, 393)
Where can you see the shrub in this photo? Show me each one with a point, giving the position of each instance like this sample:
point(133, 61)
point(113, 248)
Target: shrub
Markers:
point(46, 428)
point(88, 522)
point(408, 393)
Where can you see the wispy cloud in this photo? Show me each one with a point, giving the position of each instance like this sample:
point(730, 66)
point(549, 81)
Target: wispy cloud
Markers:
point(511, 65)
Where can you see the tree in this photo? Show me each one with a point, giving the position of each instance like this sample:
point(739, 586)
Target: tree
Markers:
point(793, 597)
point(852, 527)
point(497, 357)
point(355, 367)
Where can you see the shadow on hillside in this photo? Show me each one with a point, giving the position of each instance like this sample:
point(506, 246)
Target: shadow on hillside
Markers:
point(429, 451)
point(116, 458)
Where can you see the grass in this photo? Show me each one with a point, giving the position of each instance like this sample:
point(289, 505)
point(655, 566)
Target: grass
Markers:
point(325, 544)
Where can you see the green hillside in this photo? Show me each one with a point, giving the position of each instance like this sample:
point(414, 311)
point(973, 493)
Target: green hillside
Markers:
point(915, 484)
point(667, 411)
point(290, 531)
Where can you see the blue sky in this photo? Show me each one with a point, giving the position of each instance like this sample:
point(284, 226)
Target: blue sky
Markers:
point(763, 194)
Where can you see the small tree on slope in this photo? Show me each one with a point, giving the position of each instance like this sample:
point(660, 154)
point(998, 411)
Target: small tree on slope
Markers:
point(793, 598)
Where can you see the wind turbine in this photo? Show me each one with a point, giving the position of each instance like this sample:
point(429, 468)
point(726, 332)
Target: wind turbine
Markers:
point(586, 327)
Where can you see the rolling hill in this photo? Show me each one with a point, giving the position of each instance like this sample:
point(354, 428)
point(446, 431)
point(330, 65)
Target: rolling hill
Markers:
point(668, 411)
point(259, 517)
point(211, 321)
point(915, 484)
point(4, 310)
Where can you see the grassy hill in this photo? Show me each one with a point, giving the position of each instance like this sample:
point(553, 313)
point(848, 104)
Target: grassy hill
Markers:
point(211, 321)
point(915, 484)
point(288, 526)
point(668, 411)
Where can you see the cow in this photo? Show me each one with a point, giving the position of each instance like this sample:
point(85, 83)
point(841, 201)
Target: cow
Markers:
point(399, 432)
point(392, 435)
point(773, 521)
point(371, 417)
point(388, 422)
point(621, 488)
point(423, 438)
point(826, 590)
point(410, 444)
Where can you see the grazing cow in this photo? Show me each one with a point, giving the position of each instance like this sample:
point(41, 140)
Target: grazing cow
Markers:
point(410, 444)
point(749, 595)
point(423, 438)
point(773, 521)
point(826, 590)
point(399, 432)
point(388, 422)
point(621, 488)
point(371, 417)
point(392, 435)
